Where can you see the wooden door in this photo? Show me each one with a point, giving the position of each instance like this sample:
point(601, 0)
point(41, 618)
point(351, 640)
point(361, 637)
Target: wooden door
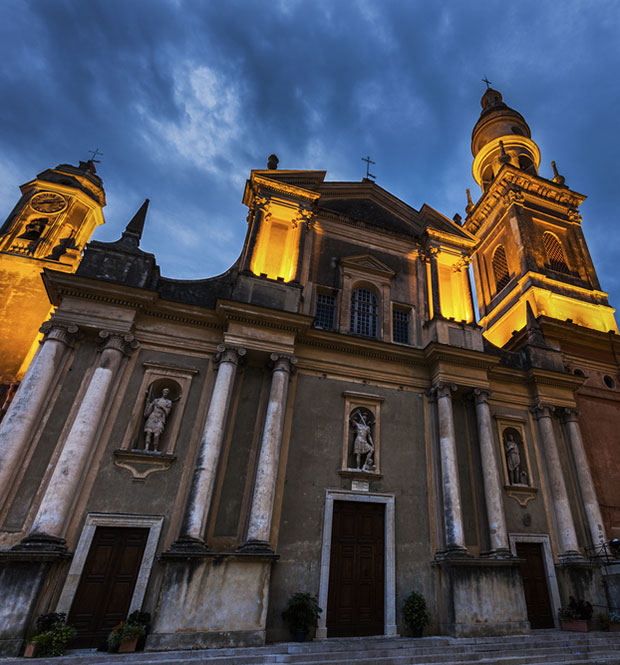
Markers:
point(539, 610)
point(107, 583)
point(356, 570)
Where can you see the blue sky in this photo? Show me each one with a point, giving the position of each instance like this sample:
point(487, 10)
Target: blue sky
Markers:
point(184, 97)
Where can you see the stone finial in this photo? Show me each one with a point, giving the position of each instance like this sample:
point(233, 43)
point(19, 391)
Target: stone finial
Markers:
point(272, 162)
point(557, 178)
point(470, 204)
point(136, 225)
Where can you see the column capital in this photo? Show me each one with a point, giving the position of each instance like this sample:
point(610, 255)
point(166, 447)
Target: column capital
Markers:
point(442, 389)
point(60, 332)
point(569, 414)
point(227, 353)
point(283, 362)
point(541, 410)
point(123, 342)
point(481, 395)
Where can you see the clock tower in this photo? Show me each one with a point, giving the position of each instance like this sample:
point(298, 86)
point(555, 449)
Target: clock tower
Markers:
point(48, 228)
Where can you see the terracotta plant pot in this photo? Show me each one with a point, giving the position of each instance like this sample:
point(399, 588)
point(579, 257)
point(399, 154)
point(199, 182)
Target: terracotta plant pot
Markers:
point(127, 646)
point(29, 651)
point(575, 625)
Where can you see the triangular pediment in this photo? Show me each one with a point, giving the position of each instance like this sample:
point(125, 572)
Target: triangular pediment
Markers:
point(367, 263)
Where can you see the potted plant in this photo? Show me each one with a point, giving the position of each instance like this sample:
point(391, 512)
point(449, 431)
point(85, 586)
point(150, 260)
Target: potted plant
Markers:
point(124, 637)
point(575, 615)
point(614, 621)
point(302, 614)
point(415, 613)
point(52, 637)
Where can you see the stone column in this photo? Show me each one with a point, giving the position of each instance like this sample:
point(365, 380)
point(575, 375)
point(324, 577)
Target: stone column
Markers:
point(49, 524)
point(30, 399)
point(203, 482)
point(498, 534)
point(453, 516)
point(261, 512)
point(566, 528)
point(594, 518)
point(432, 252)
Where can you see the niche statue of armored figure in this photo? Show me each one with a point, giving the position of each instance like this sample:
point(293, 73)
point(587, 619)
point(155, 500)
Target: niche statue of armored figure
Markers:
point(156, 414)
point(363, 445)
point(517, 475)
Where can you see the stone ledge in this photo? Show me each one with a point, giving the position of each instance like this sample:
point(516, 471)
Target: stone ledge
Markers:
point(141, 463)
point(204, 640)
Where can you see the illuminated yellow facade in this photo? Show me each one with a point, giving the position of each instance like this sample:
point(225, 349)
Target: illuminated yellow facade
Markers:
point(48, 228)
point(531, 247)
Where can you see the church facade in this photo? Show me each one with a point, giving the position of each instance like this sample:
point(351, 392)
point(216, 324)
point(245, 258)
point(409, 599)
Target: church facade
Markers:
point(326, 416)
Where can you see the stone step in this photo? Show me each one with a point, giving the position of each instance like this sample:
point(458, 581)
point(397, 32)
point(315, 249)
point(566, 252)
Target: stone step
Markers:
point(538, 648)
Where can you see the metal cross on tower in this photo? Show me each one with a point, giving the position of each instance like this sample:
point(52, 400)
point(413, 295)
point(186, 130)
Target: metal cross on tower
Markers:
point(95, 154)
point(486, 80)
point(368, 163)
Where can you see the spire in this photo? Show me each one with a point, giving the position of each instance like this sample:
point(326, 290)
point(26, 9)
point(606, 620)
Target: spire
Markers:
point(135, 227)
point(470, 204)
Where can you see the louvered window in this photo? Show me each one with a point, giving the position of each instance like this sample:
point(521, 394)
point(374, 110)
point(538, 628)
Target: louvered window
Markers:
point(364, 312)
point(500, 268)
point(555, 253)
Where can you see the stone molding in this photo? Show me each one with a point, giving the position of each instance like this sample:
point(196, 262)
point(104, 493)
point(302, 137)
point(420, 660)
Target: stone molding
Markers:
point(541, 410)
point(123, 342)
point(66, 334)
point(442, 389)
point(227, 353)
point(282, 362)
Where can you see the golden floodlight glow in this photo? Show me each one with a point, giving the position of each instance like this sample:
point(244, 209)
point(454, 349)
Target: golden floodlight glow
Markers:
point(553, 305)
point(454, 296)
point(277, 245)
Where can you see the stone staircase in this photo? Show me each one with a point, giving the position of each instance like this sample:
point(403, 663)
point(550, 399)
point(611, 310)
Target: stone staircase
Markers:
point(544, 647)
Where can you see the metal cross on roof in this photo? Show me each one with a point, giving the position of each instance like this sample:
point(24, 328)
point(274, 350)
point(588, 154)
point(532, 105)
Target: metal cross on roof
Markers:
point(486, 80)
point(95, 154)
point(368, 163)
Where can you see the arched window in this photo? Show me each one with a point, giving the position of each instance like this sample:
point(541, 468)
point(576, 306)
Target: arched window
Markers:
point(555, 253)
point(500, 268)
point(487, 177)
point(364, 312)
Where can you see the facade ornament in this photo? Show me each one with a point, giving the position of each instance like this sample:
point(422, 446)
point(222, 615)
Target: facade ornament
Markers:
point(557, 178)
point(427, 253)
point(227, 353)
point(574, 215)
point(470, 204)
point(304, 216)
point(517, 475)
point(541, 410)
point(569, 414)
point(258, 203)
point(283, 362)
point(443, 389)
point(463, 262)
point(515, 195)
point(481, 395)
point(363, 444)
point(125, 343)
point(156, 414)
point(66, 334)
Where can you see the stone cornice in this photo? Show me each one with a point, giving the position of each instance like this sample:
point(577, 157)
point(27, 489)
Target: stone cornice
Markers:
point(443, 237)
point(545, 377)
point(456, 355)
point(512, 184)
point(261, 182)
point(228, 310)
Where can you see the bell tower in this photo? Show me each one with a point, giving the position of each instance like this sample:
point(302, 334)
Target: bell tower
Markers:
point(48, 228)
point(531, 245)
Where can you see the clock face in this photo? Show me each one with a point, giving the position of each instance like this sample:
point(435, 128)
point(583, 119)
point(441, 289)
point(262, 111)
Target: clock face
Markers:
point(48, 202)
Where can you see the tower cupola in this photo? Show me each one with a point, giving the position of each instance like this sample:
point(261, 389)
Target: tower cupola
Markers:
point(501, 136)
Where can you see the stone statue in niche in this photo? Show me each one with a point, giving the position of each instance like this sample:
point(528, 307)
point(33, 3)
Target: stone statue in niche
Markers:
point(156, 414)
point(517, 475)
point(363, 445)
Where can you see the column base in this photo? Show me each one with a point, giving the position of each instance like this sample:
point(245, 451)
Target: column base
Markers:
point(452, 553)
point(187, 545)
point(41, 542)
point(255, 547)
point(571, 556)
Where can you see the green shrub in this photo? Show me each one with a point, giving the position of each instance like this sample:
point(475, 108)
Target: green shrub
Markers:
point(54, 640)
point(415, 613)
point(576, 610)
point(302, 612)
point(122, 632)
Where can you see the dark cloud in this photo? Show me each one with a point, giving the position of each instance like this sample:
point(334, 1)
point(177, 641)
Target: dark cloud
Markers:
point(185, 97)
